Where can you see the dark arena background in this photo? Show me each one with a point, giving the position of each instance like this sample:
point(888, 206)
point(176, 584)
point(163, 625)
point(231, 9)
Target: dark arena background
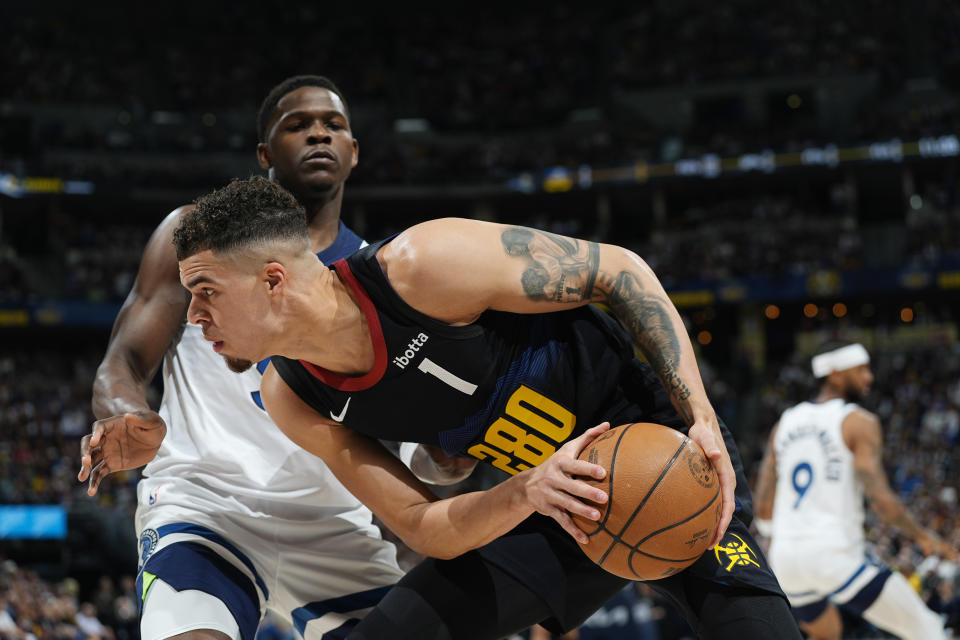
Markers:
point(789, 170)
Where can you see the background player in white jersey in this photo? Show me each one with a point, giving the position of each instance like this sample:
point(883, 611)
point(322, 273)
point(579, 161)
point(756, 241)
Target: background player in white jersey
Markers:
point(823, 458)
point(233, 518)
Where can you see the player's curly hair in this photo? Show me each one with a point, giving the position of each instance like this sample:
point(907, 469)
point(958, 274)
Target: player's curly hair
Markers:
point(242, 214)
point(269, 104)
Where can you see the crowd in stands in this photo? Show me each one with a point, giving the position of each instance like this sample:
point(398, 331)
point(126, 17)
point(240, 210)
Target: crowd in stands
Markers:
point(765, 235)
point(13, 284)
point(493, 72)
point(44, 411)
point(32, 608)
point(546, 87)
point(100, 262)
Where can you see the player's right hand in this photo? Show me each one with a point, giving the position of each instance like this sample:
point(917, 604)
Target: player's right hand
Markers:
point(553, 490)
point(117, 443)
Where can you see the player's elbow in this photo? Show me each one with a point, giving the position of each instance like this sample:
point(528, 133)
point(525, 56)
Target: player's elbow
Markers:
point(624, 263)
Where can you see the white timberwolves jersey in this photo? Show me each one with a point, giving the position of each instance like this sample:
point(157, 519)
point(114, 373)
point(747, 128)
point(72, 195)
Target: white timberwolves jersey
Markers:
point(223, 453)
point(819, 500)
point(219, 437)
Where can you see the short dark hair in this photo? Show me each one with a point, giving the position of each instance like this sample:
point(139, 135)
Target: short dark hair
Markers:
point(269, 104)
point(242, 213)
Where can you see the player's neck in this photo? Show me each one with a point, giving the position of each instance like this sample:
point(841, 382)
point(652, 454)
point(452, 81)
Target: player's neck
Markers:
point(827, 394)
point(329, 329)
point(323, 218)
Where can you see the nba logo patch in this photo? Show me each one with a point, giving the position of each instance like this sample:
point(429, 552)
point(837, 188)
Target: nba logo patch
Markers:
point(154, 496)
point(148, 542)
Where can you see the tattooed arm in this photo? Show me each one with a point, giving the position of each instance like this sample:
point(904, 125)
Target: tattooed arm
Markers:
point(863, 436)
point(454, 270)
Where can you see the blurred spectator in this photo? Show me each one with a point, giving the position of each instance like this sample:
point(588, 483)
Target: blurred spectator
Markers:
point(126, 614)
point(31, 608)
point(90, 625)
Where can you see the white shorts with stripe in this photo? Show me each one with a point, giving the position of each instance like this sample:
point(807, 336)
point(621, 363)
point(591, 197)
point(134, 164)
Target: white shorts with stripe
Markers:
point(319, 571)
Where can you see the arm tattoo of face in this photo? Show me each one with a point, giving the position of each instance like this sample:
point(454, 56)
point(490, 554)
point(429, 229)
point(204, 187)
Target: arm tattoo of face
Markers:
point(568, 270)
point(558, 269)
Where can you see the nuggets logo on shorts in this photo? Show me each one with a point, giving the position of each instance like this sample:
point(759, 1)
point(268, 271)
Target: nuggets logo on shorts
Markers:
point(148, 542)
point(736, 552)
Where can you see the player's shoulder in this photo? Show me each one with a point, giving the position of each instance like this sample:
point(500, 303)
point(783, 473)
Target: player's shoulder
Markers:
point(172, 220)
point(860, 423)
point(421, 247)
point(413, 251)
point(858, 414)
point(177, 215)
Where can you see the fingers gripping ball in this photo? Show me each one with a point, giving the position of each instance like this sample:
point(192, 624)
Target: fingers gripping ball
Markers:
point(664, 504)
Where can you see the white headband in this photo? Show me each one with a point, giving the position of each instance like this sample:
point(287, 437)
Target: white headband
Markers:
point(840, 359)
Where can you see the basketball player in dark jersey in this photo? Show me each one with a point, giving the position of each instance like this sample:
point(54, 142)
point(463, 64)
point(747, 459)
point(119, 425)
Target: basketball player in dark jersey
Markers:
point(477, 338)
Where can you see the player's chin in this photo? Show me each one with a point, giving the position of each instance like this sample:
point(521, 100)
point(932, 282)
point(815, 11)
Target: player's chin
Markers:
point(238, 365)
point(323, 179)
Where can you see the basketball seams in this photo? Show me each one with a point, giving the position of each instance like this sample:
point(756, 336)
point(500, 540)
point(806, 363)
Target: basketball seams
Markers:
point(602, 523)
point(636, 548)
point(663, 472)
point(680, 522)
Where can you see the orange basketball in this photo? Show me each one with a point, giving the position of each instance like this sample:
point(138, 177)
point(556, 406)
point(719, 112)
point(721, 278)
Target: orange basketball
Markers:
point(664, 502)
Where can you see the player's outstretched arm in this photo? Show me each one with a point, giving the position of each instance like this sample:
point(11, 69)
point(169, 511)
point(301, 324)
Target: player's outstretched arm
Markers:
point(433, 527)
point(864, 437)
point(454, 270)
point(128, 433)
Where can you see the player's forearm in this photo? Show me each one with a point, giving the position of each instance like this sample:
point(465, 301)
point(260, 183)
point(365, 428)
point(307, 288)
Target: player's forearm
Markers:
point(448, 528)
point(118, 388)
point(893, 512)
point(639, 302)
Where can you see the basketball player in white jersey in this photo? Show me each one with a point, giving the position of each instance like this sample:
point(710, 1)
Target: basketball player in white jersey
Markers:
point(234, 518)
point(824, 457)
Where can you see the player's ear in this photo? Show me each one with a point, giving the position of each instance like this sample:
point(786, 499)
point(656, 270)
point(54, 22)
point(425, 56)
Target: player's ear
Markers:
point(263, 156)
point(274, 277)
point(356, 153)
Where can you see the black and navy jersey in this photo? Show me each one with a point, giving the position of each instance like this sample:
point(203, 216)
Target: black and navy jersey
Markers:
point(508, 389)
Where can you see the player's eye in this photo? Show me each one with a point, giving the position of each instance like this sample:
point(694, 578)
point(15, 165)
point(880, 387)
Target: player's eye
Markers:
point(296, 126)
point(207, 291)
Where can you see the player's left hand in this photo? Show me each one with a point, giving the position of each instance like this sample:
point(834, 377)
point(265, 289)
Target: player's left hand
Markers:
point(555, 488)
point(706, 433)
